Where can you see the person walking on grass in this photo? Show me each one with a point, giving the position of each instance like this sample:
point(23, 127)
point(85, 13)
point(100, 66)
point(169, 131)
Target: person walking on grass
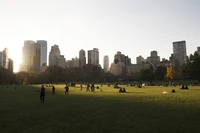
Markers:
point(66, 90)
point(42, 94)
point(53, 90)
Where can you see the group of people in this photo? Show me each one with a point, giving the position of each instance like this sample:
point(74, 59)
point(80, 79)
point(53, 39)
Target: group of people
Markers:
point(42, 92)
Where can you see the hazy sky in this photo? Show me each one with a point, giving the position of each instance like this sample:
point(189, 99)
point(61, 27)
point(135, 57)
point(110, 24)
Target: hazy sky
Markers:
point(134, 27)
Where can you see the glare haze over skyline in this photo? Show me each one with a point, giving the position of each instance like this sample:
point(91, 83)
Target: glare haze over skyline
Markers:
point(134, 27)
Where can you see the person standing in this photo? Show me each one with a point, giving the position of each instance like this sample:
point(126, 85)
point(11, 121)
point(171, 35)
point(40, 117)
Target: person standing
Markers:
point(53, 90)
point(66, 90)
point(42, 94)
point(81, 86)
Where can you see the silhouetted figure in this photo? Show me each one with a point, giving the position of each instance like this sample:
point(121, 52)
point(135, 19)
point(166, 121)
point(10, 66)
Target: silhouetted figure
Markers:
point(81, 86)
point(122, 90)
point(186, 87)
point(42, 94)
point(183, 87)
point(173, 91)
point(92, 87)
point(88, 87)
point(66, 90)
point(53, 90)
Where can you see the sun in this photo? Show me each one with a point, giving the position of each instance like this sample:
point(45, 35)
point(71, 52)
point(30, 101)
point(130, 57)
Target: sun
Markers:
point(15, 53)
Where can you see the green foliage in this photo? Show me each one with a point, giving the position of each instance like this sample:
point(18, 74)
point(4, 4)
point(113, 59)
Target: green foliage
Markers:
point(192, 69)
point(6, 76)
point(160, 73)
point(146, 74)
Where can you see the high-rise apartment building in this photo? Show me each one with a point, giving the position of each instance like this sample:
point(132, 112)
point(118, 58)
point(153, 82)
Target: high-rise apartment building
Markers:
point(93, 57)
point(106, 63)
point(119, 57)
point(179, 52)
point(139, 59)
point(154, 58)
point(55, 59)
point(43, 51)
point(82, 58)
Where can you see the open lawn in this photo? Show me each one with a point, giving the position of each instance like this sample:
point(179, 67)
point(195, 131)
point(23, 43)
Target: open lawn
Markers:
point(140, 110)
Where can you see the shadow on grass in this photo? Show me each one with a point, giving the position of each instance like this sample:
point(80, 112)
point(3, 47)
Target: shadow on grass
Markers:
point(84, 112)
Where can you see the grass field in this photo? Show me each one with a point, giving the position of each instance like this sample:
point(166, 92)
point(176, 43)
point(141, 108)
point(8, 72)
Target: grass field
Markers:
point(140, 110)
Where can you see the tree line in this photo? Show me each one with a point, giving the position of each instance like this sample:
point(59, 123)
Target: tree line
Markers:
point(91, 73)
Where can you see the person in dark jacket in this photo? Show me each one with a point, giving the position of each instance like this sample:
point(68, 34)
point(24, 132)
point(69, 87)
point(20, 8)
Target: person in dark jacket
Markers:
point(66, 90)
point(53, 90)
point(42, 94)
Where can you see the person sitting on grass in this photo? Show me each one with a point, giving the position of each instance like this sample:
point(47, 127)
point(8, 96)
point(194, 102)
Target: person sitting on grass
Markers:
point(122, 90)
point(173, 91)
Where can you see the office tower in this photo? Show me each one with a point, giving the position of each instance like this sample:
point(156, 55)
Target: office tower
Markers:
point(93, 57)
point(30, 56)
point(179, 52)
point(43, 51)
point(139, 59)
point(5, 58)
point(82, 58)
point(27, 55)
point(106, 63)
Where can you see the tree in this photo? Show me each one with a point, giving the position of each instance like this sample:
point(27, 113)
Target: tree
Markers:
point(160, 73)
point(147, 74)
point(169, 73)
point(192, 69)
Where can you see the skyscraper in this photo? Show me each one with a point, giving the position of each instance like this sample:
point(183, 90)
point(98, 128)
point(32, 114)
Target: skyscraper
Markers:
point(26, 55)
point(30, 56)
point(55, 59)
point(5, 58)
point(10, 64)
point(82, 58)
point(106, 63)
point(43, 51)
point(93, 57)
point(1, 59)
point(179, 52)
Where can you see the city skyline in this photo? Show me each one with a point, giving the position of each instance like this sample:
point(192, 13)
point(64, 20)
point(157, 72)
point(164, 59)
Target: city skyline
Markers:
point(134, 27)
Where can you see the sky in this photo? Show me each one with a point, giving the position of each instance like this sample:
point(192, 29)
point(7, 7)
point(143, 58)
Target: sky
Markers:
point(134, 27)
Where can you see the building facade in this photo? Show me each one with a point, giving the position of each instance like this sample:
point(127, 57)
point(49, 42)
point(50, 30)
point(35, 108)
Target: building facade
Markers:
point(139, 59)
point(43, 52)
point(5, 58)
point(179, 53)
point(154, 58)
point(82, 58)
point(55, 59)
point(93, 57)
point(106, 63)
point(1, 59)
